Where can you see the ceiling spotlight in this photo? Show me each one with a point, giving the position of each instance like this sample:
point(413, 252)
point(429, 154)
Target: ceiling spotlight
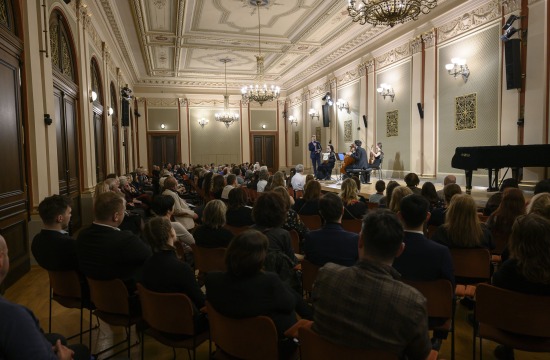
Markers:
point(510, 21)
point(508, 33)
point(93, 96)
point(326, 97)
point(111, 111)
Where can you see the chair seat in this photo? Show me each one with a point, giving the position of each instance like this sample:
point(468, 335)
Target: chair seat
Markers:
point(515, 341)
point(177, 341)
point(465, 290)
point(117, 319)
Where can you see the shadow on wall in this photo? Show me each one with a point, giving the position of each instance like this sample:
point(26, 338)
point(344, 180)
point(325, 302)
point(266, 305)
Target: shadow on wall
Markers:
point(396, 167)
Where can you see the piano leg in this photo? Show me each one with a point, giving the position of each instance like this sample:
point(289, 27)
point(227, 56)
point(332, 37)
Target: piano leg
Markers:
point(517, 173)
point(493, 183)
point(468, 174)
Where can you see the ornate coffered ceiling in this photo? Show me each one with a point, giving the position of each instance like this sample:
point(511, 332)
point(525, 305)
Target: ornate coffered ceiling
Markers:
point(178, 43)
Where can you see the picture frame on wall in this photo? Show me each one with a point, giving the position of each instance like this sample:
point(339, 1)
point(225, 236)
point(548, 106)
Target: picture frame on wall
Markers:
point(296, 138)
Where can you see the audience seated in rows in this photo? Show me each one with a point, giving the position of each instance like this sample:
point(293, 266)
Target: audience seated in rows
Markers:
point(495, 199)
point(412, 181)
point(540, 204)
point(231, 182)
point(358, 184)
point(293, 221)
point(397, 195)
point(380, 186)
point(528, 268)
point(298, 180)
point(385, 200)
point(218, 184)
point(449, 179)
point(211, 233)
point(353, 208)
point(542, 186)
point(438, 214)
point(366, 305)
point(182, 212)
point(331, 243)
point(309, 203)
point(264, 175)
point(429, 193)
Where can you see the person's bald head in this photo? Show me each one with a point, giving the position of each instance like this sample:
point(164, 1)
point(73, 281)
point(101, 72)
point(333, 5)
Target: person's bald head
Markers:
point(449, 179)
point(4, 259)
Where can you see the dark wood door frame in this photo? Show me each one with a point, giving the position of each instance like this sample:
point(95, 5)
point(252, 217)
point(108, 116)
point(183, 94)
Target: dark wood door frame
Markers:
point(275, 134)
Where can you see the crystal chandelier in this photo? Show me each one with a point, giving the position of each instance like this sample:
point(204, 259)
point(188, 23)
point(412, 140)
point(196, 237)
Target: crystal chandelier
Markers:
point(226, 117)
point(389, 12)
point(260, 93)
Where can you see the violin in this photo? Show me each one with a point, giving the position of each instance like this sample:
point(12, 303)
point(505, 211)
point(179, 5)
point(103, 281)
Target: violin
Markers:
point(348, 160)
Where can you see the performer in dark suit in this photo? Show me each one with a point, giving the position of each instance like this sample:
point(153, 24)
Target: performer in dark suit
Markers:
point(325, 169)
point(315, 153)
point(361, 160)
point(331, 243)
point(104, 251)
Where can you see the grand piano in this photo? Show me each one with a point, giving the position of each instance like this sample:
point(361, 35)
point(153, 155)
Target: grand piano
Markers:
point(494, 158)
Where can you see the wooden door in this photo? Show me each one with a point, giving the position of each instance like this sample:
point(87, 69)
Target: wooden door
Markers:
point(163, 148)
point(13, 182)
point(126, 145)
point(264, 150)
point(67, 151)
point(99, 140)
point(116, 147)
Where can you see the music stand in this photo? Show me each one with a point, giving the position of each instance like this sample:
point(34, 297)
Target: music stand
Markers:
point(339, 159)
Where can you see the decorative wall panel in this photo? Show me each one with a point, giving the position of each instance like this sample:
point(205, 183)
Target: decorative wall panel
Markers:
point(466, 112)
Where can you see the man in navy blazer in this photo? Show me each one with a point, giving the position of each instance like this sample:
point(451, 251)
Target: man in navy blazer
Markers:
point(331, 243)
point(422, 259)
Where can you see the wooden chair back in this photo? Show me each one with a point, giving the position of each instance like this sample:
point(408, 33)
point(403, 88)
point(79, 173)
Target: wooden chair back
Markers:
point(472, 263)
point(309, 274)
point(109, 296)
point(169, 313)
point(209, 259)
point(295, 241)
point(430, 231)
point(65, 284)
point(312, 222)
point(501, 240)
point(373, 205)
point(315, 347)
point(353, 225)
point(298, 194)
point(438, 293)
point(513, 319)
point(246, 338)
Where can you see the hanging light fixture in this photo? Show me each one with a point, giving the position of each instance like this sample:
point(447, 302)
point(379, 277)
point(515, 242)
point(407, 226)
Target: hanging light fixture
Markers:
point(260, 92)
point(226, 117)
point(389, 12)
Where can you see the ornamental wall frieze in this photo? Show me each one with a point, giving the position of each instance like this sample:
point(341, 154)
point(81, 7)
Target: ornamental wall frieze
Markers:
point(295, 101)
point(347, 77)
point(509, 6)
point(480, 16)
point(320, 90)
point(212, 103)
point(416, 45)
point(152, 102)
point(366, 66)
point(394, 55)
point(429, 38)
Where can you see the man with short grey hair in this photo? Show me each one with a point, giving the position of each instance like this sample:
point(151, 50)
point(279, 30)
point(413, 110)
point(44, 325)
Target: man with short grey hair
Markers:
point(299, 179)
point(449, 179)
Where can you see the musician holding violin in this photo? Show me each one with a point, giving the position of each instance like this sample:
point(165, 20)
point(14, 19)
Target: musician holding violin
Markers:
point(315, 149)
point(325, 169)
point(376, 156)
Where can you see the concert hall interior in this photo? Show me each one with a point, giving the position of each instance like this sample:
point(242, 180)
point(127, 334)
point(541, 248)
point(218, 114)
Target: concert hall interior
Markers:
point(96, 87)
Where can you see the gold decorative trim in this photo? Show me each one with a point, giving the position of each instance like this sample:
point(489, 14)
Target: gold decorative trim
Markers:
point(152, 102)
point(466, 112)
point(392, 56)
point(482, 15)
point(429, 38)
point(348, 77)
point(416, 45)
point(392, 123)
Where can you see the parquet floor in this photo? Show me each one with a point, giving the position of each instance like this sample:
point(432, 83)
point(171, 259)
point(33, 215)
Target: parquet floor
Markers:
point(32, 291)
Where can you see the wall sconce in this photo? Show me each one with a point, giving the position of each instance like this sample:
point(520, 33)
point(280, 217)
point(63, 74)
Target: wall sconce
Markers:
point(293, 120)
point(458, 67)
point(162, 126)
point(386, 90)
point(313, 114)
point(111, 111)
point(508, 33)
point(342, 104)
point(93, 96)
point(327, 98)
point(202, 122)
point(264, 126)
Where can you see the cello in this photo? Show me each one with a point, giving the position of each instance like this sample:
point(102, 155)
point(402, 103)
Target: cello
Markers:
point(348, 160)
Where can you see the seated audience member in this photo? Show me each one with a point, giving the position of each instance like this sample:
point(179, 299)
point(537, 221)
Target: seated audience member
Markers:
point(245, 290)
point(207, 185)
point(438, 214)
point(495, 199)
point(325, 169)
point(269, 216)
point(462, 228)
point(540, 204)
point(218, 183)
point(429, 193)
point(163, 205)
point(238, 213)
point(20, 334)
point(164, 272)
point(53, 248)
point(231, 184)
point(278, 180)
point(542, 186)
point(292, 172)
point(366, 305)
point(449, 179)
point(358, 184)
point(264, 176)
point(182, 212)
point(353, 208)
point(299, 179)
point(309, 203)
point(385, 200)
point(511, 206)
point(397, 195)
point(380, 186)
point(331, 243)
point(293, 221)
point(104, 251)
point(528, 268)
point(423, 259)
point(211, 233)
point(239, 174)
point(412, 181)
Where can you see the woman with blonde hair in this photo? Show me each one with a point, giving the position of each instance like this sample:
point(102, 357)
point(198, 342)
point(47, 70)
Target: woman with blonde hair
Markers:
point(540, 204)
point(212, 233)
point(462, 228)
point(278, 180)
point(397, 195)
point(353, 208)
